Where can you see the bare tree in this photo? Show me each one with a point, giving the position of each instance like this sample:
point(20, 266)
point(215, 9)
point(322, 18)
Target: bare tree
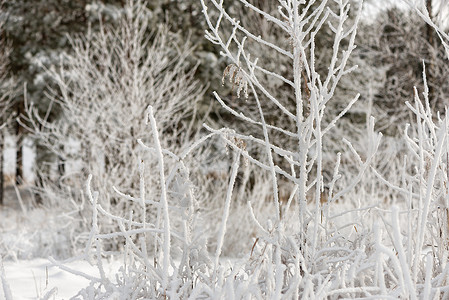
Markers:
point(104, 89)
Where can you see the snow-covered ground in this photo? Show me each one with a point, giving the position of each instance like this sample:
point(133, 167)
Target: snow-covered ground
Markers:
point(33, 279)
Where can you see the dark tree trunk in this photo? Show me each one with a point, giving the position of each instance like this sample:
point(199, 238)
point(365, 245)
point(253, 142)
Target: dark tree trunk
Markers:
point(61, 164)
point(429, 28)
point(39, 170)
point(430, 36)
point(19, 146)
point(39, 183)
point(61, 170)
point(61, 167)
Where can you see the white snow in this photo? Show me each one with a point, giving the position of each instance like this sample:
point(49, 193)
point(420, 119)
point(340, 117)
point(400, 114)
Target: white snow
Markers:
point(32, 279)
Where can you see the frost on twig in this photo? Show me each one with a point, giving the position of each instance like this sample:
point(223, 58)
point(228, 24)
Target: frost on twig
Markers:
point(290, 126)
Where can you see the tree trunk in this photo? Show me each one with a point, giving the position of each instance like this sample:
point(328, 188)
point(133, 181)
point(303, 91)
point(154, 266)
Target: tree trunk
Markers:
point(61, 170)
point(19, 139)
point(39, 170)
point(39, 183)
point(430, 36)
point(428, 27)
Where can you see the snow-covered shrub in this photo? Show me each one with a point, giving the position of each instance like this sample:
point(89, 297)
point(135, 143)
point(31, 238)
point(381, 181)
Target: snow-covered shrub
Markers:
point(312, 94)
point(419, 225)
point(103, 90)
point(426, 191)
point(169, 266)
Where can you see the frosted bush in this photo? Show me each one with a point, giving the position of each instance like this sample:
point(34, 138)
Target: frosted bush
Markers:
point(103, 90)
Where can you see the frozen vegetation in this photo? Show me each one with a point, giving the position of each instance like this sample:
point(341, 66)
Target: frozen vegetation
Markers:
point(295, 194)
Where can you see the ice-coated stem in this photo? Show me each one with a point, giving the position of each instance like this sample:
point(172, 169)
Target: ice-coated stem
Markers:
point(224, 220)
point(164, 199)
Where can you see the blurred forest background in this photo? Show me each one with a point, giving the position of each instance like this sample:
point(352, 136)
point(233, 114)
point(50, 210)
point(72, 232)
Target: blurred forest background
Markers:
point(37, 35)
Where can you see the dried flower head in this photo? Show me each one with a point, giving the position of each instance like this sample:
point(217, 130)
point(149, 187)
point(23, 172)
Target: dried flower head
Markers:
point(237, 78)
